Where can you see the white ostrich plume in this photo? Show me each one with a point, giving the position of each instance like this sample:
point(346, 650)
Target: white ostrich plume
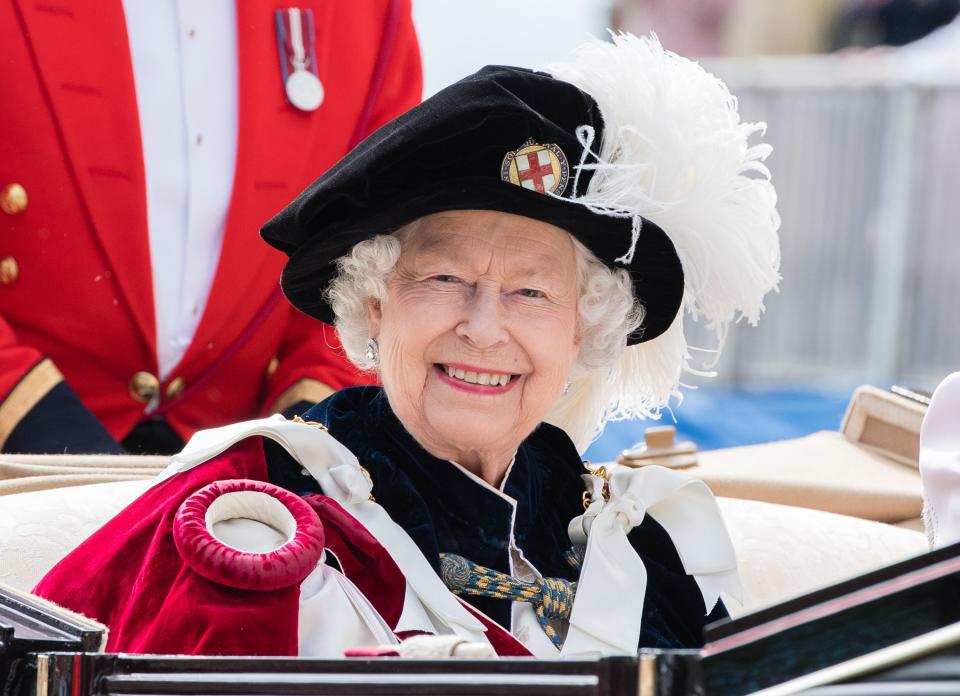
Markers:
point(675, 152)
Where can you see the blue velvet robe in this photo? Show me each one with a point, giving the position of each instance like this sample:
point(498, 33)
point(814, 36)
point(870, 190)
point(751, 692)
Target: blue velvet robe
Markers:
point(444, 510)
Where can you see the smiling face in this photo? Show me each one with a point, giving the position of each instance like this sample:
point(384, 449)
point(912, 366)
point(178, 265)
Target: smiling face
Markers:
point(477, 332)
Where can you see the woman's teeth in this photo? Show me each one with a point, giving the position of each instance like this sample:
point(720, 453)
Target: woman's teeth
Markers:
point(484, 378)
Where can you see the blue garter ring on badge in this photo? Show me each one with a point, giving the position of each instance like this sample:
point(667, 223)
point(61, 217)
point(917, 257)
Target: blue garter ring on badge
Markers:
point(540, 168)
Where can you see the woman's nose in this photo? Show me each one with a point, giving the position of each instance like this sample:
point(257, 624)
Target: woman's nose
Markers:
point(483, 324)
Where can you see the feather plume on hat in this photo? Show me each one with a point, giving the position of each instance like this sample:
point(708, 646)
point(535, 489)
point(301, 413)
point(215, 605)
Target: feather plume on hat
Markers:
point(675, 152)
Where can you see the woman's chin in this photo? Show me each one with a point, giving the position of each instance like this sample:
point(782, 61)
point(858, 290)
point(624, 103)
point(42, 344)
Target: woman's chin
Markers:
point(449, 418)
point(457, 430)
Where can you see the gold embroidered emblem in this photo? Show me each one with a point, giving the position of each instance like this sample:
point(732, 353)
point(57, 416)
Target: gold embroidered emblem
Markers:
point(540, 168)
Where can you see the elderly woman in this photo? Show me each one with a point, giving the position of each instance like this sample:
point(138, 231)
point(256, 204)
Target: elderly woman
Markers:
point(511, 258)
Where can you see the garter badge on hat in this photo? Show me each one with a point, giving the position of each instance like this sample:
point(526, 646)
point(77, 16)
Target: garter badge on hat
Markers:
point(540, 168)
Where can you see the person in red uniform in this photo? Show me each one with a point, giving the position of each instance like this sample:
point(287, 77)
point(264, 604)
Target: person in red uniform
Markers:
point(137, 302)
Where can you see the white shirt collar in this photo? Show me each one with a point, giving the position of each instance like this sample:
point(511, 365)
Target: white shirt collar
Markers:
point(476, 479)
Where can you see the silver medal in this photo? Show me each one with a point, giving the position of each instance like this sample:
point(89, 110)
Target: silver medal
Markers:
point(303, 87)
point(304, 90)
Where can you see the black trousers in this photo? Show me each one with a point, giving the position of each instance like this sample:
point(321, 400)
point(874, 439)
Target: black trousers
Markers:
point(154, 436)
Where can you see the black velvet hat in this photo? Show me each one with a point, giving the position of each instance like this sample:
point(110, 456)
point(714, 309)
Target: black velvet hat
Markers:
point(637, 152)
point(503, 139)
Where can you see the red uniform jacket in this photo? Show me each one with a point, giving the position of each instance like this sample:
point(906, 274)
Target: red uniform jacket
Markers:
point(76, 298)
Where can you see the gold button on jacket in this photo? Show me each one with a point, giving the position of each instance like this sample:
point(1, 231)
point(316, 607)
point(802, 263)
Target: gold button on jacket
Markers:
point(175, 387)
point(9, 270)
point(13, 199)
point(144, 386)
point(272, 366)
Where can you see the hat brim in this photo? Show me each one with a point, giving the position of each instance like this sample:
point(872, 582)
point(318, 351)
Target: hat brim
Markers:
point(655, 269)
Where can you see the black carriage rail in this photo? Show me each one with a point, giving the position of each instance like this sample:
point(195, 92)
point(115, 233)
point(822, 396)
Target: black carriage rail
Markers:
point(29, 626)
point(890, 606)
point(43, 653)
point(75, 674)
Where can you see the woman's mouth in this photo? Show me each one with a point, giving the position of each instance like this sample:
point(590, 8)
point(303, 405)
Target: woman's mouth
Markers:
point(474, 379)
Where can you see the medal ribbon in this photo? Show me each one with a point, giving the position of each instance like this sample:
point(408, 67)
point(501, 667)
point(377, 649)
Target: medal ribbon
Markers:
point(299, 57)
point(295, 41)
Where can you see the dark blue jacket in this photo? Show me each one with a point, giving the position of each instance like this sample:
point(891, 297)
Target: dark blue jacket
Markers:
point(444, 510)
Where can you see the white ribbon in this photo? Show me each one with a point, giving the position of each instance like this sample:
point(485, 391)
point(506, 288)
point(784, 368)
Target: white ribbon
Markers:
point(352, 484)
point(340, 476)
point(334, 615)
point(940, 463)
point(608, 606)
point(299, 57)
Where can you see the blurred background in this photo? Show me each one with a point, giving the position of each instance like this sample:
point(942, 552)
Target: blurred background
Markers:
point(862, 101)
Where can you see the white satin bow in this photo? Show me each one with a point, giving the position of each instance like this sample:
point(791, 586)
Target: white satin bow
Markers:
point(353, 486)
point(608, 607)
point(429, 606)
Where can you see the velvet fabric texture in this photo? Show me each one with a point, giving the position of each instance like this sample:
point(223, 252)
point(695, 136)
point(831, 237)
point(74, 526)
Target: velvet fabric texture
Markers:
point(222, 564)
point(444, 510)
point(447, 154)
point(130, 576)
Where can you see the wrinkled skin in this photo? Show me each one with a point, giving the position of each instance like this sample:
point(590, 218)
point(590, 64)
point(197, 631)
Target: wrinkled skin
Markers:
point(482, 289)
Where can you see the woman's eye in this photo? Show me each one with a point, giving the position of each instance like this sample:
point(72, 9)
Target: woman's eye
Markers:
point(530, 292)
point(442, 278)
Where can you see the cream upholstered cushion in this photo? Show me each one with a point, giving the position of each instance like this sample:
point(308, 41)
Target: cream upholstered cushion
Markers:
point(22, 473)
point(783, 551)
point(824, 471)
point(787, 551)
point(39, 528)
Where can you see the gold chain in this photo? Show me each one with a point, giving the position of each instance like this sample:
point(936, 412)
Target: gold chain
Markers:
point(312, 424)
point(600, 471)
point(369, 478)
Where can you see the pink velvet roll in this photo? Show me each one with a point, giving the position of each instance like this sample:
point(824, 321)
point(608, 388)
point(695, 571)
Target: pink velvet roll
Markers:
point(208, 556)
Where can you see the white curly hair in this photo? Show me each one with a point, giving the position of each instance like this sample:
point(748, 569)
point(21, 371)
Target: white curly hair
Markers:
point(607, 314)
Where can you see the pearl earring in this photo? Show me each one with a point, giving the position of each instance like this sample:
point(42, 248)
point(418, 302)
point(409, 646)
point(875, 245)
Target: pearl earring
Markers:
point(566, 387)
point(373, 351)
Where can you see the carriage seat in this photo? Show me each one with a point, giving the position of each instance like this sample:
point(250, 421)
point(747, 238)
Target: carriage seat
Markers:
point(782, 550)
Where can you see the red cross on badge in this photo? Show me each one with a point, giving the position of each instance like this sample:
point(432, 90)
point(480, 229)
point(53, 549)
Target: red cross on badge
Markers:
point(540, 168)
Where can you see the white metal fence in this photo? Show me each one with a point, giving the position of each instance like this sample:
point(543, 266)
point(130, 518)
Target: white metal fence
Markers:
point(868, 176)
